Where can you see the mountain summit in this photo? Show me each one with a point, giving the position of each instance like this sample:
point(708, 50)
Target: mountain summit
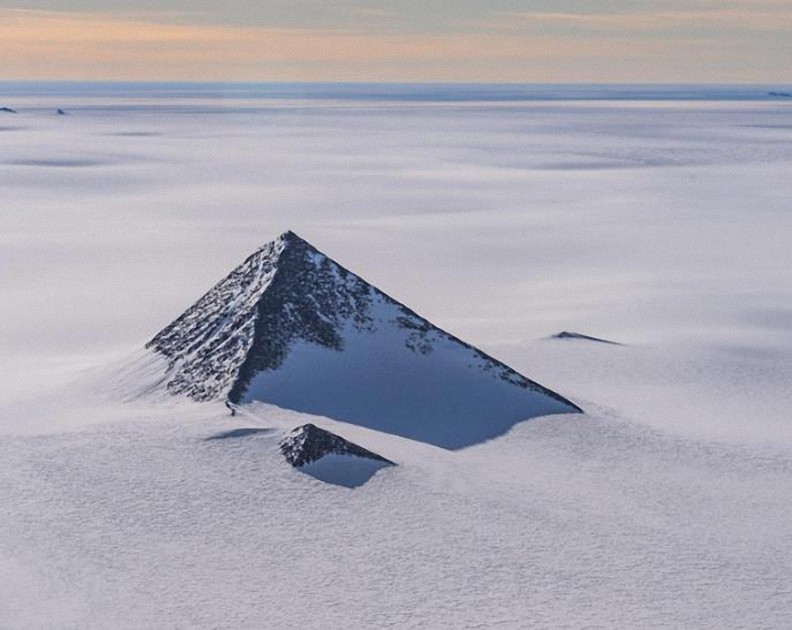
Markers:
point(293, 328)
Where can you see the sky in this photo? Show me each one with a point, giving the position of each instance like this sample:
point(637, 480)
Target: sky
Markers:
point(558, 41)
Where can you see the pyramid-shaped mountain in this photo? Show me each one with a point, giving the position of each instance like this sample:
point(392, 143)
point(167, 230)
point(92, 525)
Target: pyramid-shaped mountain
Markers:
point(291, 327)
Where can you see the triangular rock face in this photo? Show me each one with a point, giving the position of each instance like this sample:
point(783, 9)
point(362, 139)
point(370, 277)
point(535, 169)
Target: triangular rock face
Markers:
point(293, 328)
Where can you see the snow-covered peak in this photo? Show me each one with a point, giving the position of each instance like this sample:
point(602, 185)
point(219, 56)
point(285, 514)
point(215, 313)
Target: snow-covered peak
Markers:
point(292, 327)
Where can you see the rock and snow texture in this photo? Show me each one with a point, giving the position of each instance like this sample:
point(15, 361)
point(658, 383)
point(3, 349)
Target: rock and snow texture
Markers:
point(293, 328)
point(329, 457)
point(208, 343)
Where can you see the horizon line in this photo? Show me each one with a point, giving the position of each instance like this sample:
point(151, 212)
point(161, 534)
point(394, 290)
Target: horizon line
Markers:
point(405, 83)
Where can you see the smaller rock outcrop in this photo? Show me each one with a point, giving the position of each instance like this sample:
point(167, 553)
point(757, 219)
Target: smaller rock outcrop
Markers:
point(8, 110)
point(308, 444)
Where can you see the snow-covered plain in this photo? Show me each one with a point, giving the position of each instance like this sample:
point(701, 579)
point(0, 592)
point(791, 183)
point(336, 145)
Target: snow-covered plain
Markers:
point(662, 225)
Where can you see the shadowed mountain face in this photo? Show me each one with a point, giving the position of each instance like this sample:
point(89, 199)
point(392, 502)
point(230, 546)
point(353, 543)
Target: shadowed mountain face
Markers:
point(293, 328)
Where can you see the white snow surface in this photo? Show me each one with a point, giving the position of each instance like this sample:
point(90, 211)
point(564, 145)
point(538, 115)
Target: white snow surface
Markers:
point(661, 225)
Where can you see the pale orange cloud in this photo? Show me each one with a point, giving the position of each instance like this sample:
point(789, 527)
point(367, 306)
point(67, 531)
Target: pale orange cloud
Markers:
point(711, 20)
point(52, 45)
point(41, 44)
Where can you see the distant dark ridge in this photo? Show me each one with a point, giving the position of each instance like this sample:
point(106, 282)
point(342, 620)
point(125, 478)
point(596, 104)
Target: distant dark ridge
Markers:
point(573, 335)
point(8, 110)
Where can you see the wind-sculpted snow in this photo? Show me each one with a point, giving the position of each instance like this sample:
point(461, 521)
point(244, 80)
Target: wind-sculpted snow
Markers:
point(292, 327)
